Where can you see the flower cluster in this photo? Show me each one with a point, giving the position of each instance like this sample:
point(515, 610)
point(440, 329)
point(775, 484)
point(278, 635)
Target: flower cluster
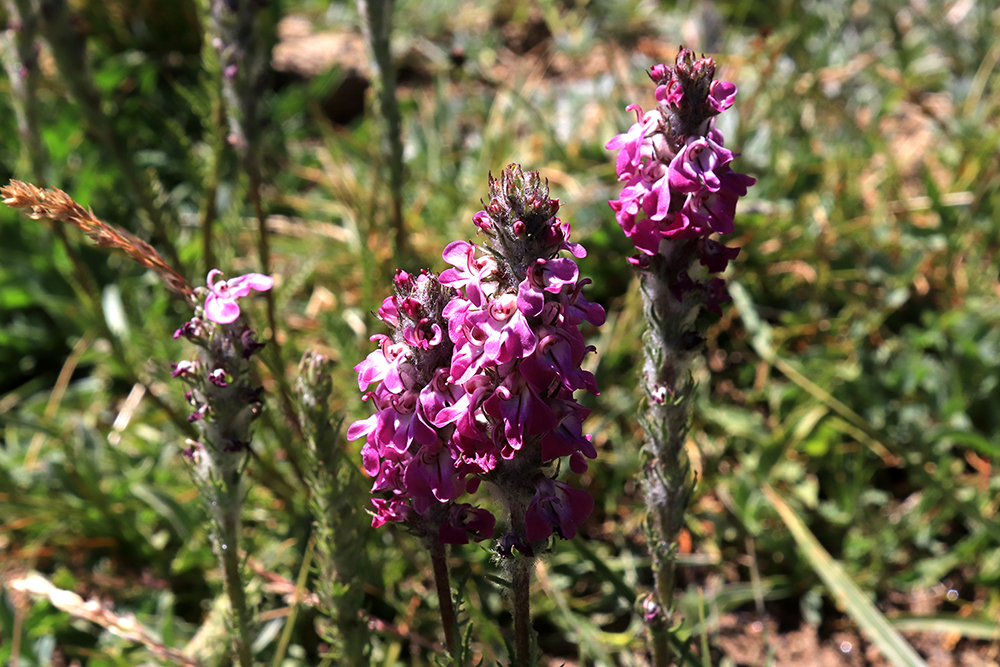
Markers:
point(223, 392)
point(416, 470)
point(477, 381)
point(676, 170)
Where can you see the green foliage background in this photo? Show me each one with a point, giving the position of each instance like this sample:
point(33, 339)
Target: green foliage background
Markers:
point(856, 372)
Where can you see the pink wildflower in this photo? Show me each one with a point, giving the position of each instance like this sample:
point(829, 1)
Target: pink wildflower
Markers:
point(220, 304)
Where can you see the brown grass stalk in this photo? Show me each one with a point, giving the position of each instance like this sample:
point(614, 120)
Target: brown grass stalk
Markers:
point(125, 626)
point(54, 204)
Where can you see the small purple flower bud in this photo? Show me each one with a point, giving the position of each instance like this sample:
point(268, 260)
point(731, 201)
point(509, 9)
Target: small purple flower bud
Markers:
point(681, 285)
point(411, 307)
point(650, 608)
point(191, 329)
point(250, 346)
point(218, 377)
point(403, 281)
point(716, 256)
point(659, 73)
point(717, 295)
point(465, 521)
point(183, 369)
point(556, 506)
point(192, 450)
point(640, 262)
point(511, 541)
point(236, 445)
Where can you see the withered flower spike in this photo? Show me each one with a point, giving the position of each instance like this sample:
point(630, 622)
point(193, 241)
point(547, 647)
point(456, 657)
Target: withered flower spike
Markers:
point(38, 203)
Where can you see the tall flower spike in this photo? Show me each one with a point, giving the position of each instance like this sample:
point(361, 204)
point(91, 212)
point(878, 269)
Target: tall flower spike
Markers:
point(413, 454)
point(679, 190)
point(226, 398)
point(476, 384)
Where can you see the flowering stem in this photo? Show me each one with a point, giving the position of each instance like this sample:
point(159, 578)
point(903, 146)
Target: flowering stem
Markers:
point(439, 559)
point(263, 243)
point(216, 131)
point(681, 192)
point(21, 62)
point(377, 26)
point(522, 610)
point(668, 390)
point(229, 506)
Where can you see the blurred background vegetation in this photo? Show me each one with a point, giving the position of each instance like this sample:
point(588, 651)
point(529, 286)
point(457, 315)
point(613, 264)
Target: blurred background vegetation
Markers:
point(856, 372)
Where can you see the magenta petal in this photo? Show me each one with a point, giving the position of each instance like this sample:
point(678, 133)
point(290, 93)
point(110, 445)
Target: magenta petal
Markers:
point(222, 311)
point(362, 427)
point(241, 285)
point(722, 94)
point(536, 527)
point(370, 458)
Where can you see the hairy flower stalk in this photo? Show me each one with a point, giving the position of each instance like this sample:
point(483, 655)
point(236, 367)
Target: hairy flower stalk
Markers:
point(243, 34)
point(376, 24)
point(476, 384)
point(19, 50)
point(226, 398)
point(679, 191)
point(333, 481)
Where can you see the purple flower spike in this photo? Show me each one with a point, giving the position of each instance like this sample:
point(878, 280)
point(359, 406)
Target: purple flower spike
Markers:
point(220, 304)
point(475, 381)
point(677, 181)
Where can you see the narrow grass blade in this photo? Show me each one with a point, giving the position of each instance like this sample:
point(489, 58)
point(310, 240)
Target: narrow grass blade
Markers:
point(870, 621)
point(300, 586)
point(972, 628)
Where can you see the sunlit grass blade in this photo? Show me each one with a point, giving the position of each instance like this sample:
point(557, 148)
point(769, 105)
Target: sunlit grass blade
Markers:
point(870, 621)
point(972, 628)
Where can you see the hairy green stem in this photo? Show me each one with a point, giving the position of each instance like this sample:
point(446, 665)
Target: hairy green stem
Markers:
point(668, 390)
point(216, 129)
point(377, 25)
point(229, 508)
point(521, 582)
point(439, 560)
point(21, 62)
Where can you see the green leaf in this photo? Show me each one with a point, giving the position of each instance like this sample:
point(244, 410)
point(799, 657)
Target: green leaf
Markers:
point(870, 621)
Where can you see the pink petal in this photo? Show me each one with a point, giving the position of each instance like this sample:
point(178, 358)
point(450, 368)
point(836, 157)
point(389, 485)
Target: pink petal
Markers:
point(210, 280)
point(241, 285)
point(222, 311)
